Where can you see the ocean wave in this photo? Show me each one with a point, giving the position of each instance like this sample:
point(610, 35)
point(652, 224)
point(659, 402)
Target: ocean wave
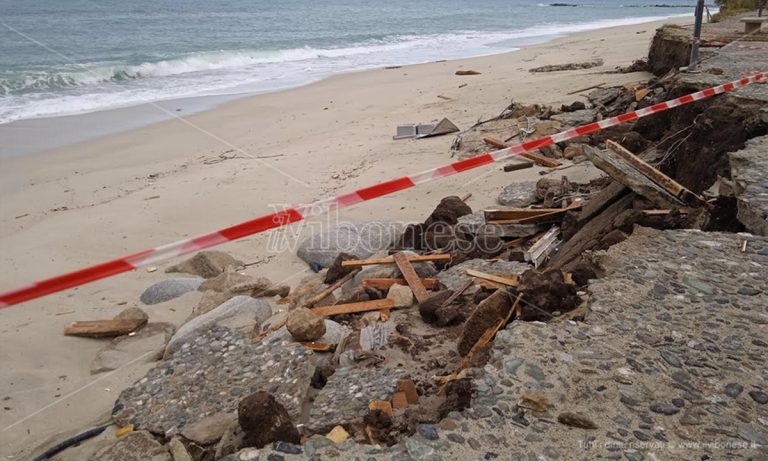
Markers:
point(104, 85)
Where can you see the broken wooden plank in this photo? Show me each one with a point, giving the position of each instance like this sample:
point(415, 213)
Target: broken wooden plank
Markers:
point(587, 88)
point(489, 285)
point(410, 275)
point(517, 166)
point(512, 215)
point(269, 330)
point(589, 236)
point(507, 281)
point(386, 283)
point(354, 308)
point(671, 186)
point(602, 200)
point(103, 328)
point(625, 173)
point(413, 259)
point(333, 287)
point(545, 218)
point(538, 159)
point(317, 347)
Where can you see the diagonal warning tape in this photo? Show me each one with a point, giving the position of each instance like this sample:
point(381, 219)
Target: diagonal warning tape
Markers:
point(285, 217)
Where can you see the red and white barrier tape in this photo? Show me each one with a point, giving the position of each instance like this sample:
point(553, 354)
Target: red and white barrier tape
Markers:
point(292, 215)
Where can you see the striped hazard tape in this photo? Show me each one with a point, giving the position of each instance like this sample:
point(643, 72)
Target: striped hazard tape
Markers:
point(285, 217)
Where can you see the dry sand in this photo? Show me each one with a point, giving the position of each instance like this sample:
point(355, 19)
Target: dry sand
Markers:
point(134, 190)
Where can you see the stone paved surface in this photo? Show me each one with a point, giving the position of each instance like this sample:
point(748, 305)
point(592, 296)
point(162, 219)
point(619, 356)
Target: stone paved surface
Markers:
point(210, 375)
point(672, 353)
point(749, 170)
point(731, 64)
point(346, 395)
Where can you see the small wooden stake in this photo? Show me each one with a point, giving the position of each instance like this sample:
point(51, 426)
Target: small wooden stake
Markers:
point(327, 292)
point(457, 293)
point(103, 328)
point(413, 259)
point(354, 308)
point(386, 283)
point(405, 266)
point(508, 281)
point(543, 161)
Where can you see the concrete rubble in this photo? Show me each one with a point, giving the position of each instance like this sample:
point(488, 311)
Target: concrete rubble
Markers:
point(636, 331)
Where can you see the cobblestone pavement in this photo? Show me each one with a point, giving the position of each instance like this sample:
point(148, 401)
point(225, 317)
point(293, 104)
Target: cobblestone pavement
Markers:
point(669, 365)
point(749, 171)
point(210, 375)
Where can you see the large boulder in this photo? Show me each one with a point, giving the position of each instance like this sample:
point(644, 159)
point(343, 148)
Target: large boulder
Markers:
point(358, 240)
point(206, 264)
point(165, 290)
point(240, 313)
point(305, 325)
point(125, 349)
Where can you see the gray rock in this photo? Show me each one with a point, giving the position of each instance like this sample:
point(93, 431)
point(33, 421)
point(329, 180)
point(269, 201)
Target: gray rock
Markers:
point(124, 349)
point(240, 313)
point(209, 429)
point(471, 223)
point(575, 118)
point(759, 397)
point(165, 290)
point(359, 240)
point(401, 295)
point(603, 96)
point(134, 446)
point(246, 454)
point(518, 194)
point(206, 264)
point(456, 276)
point(178, 450)
point(305, 325)
point(664, 409)
point(733, 389)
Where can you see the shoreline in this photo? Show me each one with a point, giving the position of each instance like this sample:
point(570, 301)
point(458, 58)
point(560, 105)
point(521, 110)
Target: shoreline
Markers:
point(42, 133)
point(75, 206)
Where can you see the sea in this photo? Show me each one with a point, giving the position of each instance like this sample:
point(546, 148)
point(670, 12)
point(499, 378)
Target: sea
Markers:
point(60, 57)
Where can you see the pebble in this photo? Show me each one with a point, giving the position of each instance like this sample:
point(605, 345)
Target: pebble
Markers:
point(733, 389)
point(428, 431)
point(759, 397)
point(748, 291)
point(286, 447)
point(664, 409)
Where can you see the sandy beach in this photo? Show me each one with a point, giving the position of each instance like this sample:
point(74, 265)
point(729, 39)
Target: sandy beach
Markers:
point(74, 206)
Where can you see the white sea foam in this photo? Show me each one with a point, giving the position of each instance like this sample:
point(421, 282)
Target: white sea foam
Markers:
point(98, 86)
